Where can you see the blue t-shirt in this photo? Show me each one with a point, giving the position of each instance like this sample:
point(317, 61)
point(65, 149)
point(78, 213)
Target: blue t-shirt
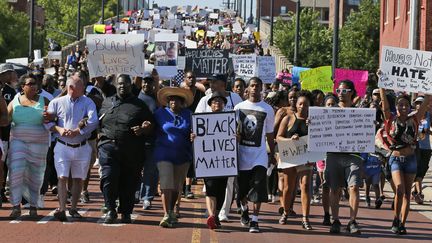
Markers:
point(173, 136)
point(372, 164)
point(424, 125)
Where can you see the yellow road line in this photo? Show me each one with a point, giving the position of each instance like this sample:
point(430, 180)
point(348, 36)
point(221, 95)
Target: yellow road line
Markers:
point(196, 231)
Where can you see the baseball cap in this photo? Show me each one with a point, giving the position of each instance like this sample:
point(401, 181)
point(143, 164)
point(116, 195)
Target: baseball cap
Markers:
point(419, 99)
point(6, 67)
point(375, 91)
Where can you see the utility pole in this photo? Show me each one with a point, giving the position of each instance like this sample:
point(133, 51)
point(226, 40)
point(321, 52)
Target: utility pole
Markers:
point(251, 13)
point(103, 12)
point(297, 33)
point(271, 21)
point(228, 4)
point(78, 37)
point(118, 11)
point(335, 39)
point(244, 17)
point(31, 33)
point(259, 6)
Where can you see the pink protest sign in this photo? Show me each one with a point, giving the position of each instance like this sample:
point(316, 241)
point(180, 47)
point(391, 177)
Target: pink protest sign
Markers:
point(359, 77)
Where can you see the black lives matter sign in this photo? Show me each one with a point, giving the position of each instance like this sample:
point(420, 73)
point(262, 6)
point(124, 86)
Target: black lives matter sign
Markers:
point(215, 145)
point(207, 62)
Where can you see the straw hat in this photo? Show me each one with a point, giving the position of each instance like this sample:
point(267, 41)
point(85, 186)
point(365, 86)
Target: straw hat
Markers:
point(166, 92)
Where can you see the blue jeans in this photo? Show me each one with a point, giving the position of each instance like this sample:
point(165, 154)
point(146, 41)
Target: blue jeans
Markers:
point(405, 164)
point(150, 176)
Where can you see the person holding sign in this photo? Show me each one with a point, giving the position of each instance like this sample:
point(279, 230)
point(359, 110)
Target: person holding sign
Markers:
point(215, 187)
point(256, 120)
point(402, 133)
point(344, 169)
point(173, 148)
point(292, 127)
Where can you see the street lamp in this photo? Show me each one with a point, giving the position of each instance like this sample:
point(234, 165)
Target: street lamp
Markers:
point(31, 33)
point(297, 33)
point(103, 12)
point(78, 35)
point(335, 39)
point(271, 21)
point(118, 11)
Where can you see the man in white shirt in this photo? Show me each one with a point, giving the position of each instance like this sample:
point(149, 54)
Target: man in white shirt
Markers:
point(255, 119)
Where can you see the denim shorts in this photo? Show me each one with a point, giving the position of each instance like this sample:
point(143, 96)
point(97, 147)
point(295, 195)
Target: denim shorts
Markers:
point(406, 164)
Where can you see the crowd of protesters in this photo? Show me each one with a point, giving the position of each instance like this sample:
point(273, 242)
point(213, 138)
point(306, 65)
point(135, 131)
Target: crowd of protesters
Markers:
point(138, 130)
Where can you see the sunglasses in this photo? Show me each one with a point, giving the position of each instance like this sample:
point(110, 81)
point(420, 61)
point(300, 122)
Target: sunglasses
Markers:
point(343, 91)
point(31, 84)
point(190, 77)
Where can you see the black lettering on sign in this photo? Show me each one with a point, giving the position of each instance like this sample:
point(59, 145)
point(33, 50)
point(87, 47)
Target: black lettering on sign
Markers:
point(206, 62)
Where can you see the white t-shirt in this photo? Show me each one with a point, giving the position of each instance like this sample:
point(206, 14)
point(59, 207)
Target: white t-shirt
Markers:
point(232, 100)
point(255, 121)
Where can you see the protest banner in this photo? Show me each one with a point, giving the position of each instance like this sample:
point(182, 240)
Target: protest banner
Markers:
point(213, 16)
point(215, 145)
point(166, 51)
point(237, 29)
point(114, 54)
point(187, 30)
point(55, 55)
point(317, 78)
point(296, 74)
point(146, 24)
point(190, 44)
point(341, 130)
point(359, 78)
point(295, 152)
point(406, 70)
point(266, 69)
point(244, 65)
point(124, 27)
point(21, 60)
point(206, 62)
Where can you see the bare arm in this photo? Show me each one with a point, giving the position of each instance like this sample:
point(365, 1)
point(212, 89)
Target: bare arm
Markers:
point(282, 128)
point(384, 104)
point(4, 120)
point(423, 108)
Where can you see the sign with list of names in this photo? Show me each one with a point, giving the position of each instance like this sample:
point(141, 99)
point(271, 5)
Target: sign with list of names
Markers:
point(406, 70)
point(215, 144)
point(341, 130)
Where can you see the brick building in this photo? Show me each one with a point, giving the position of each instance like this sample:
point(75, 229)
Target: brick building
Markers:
point(345, 8)
point(24, 6)
point(395, 21)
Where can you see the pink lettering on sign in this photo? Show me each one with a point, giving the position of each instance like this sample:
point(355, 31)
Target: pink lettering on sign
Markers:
point(359, 77)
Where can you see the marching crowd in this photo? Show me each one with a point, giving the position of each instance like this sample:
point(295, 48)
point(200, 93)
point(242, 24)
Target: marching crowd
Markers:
point(138, 130)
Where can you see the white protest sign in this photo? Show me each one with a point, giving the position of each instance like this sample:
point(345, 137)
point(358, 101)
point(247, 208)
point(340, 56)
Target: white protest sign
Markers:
point(146, 24)
point(156, 22)
point(341, 130)
point(213, 16)
point(215, 145)
point(406, 70)
point(124, 27)
point(22, 60)
point(156, 16)
point(211, 34)
point(114, 54)
point(55, 55)
point(244, 65)
point(295, 152)
point(237, 29)
point(166, 54)
point(187, 30)
point(146, 14)
point(216, 27)
point(190, 44)
point(266, 69)
point(181, 62)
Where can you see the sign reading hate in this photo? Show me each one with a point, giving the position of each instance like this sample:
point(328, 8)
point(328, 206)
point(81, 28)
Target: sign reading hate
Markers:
point(114, 54)
point(341, 130)
point(295, 152)
point(215, 145)
point(206, 62)
point(406, 70)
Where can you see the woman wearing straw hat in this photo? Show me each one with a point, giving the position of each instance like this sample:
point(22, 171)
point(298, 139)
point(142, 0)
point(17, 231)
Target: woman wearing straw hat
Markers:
point(173, 148)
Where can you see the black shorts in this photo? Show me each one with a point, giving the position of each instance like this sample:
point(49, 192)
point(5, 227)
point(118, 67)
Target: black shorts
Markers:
point(191, 171)
point(423, 158)
point(253, 184)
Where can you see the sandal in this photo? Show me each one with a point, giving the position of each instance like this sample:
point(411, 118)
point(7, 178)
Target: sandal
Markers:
point(306, 225)
point(284, 218)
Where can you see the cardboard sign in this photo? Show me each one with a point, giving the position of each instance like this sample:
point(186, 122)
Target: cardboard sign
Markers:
point(244, 65)
point(213, 16)
point(317, 78)
point(237, 29)
point(22, 60)
point(406, 70)
point(146, 24)
point(114, 54)
point(190, 44)
point(206, 62)
point(359, 78)
point(215, 145)
point(166, 51)
point(296, 74)
point(124, 27)
point(55, 55)
point(266, 69)
point(295, 152)
point(341, 130)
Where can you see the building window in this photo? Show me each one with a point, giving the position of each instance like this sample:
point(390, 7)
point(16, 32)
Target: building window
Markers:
point(386, 11)
point(354, 2)
point(283, 10)
point(326, 16)
point(397, 9)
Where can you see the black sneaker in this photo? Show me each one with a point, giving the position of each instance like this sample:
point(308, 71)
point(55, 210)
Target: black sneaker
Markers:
point(253, 227)
point(190, 195)
point(378, 203)
point(326, 220)
point(244, 219)
point(335, 227)
point(353, 227)
point(110, 217)
point(402, 229)
point(126, 218)
point(368, 202)
point(60, 216)
point(395, 226)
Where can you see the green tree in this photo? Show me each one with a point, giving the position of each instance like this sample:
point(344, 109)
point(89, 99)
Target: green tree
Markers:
point(62, 16)
point(359, 45)
point(315, 39)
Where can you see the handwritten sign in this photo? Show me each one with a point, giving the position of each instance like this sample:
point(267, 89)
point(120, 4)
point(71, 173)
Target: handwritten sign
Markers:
point(317, 78)
point(213, 16)
point(244, 65)
point(266, 69)
point(146, 24)
point(215, 145)
point(295, 152)
point(114, 54)
point(406, 70)
point(341, 130)
point(55, 55)
point(206, 62)
point(296, 74)
point(359, 78)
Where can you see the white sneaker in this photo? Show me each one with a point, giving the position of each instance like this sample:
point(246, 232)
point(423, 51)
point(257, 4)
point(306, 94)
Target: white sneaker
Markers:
point(146, 205)
point(27, 205)
point(223, 218)
point(41, 202)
